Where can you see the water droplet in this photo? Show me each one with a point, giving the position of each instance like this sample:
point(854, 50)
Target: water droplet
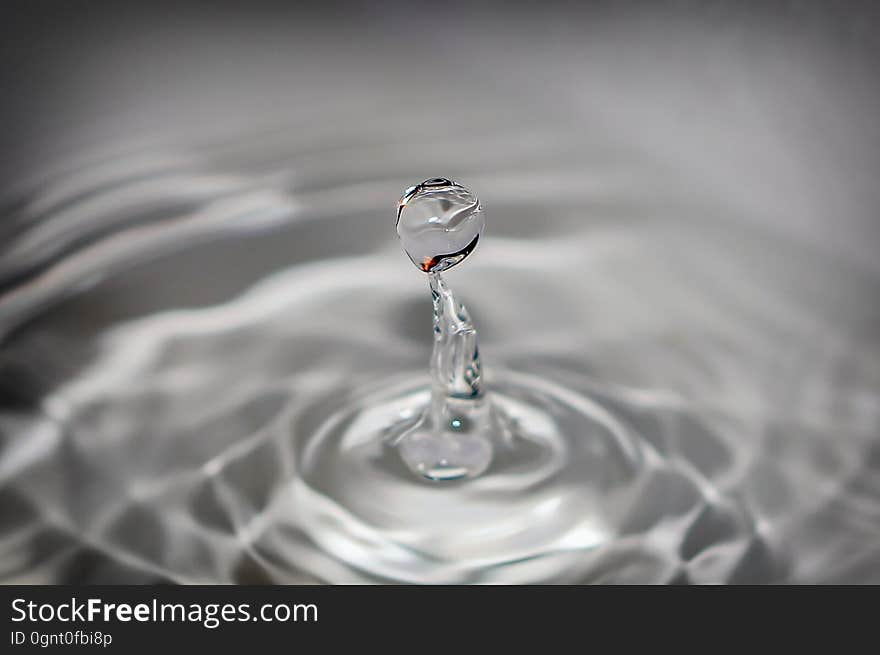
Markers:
point(439, 223)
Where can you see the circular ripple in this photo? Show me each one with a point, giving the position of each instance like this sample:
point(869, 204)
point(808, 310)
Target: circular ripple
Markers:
point(560, 482)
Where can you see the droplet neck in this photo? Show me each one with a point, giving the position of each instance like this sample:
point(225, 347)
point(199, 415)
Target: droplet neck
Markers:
point(455, 361)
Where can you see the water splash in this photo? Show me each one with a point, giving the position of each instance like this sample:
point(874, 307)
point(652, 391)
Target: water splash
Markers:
point(698, 403)
point(524, 433)
point(439, 223)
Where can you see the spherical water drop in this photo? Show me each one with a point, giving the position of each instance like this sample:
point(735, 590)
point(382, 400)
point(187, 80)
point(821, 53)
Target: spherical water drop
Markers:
point(439, 223)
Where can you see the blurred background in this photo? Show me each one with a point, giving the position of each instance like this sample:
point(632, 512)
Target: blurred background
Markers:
point(198, 267)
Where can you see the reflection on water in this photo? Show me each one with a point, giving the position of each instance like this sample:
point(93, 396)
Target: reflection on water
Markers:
point(191, 334)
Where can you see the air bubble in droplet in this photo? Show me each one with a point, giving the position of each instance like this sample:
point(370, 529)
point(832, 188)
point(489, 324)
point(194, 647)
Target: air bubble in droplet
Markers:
point(439, 223)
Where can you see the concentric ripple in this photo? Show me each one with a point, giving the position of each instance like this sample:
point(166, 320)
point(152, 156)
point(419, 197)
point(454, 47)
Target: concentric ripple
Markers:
point(200, 360)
